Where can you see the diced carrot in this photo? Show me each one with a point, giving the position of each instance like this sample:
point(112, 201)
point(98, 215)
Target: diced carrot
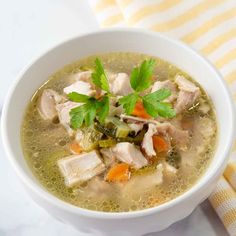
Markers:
point(160, 144)
point(139, 111)
point(118, 173)
point(75, 148)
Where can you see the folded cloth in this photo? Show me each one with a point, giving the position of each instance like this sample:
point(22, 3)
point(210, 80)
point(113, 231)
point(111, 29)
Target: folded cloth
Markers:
point(223, 200)
point(230, 174)
point(207, 25)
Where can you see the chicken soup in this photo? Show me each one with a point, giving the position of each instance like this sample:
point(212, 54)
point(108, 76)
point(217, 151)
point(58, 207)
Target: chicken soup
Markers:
point(119, 132)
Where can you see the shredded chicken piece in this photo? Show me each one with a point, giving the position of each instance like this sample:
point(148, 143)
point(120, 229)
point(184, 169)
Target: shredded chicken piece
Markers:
point(169, 168)
point(47, 104)
point(128, 153)
point(80, 87)
point(83, 76)
point(79, 136)
point(147, 143)
point(137, 119)
point(80, 168)
point(120, 84)
point(108, 156)
point(136, 127)
point(63, 110)
point(188, 94)
point(180, 137)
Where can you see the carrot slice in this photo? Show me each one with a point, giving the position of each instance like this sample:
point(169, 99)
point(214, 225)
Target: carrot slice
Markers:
point(139, 111)
point(118, 173)
point(75, 148)
point(160, 144)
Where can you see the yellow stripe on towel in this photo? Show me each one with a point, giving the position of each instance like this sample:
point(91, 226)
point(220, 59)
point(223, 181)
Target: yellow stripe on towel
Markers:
point(223, 200)
point(230, 174)
point(192, 13)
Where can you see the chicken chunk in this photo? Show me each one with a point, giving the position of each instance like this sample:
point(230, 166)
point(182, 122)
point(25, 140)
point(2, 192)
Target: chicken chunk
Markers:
point(108, 156)
point(186, 85)
point(63, 110)
point(47, 104)
point(188, 94)
point(79, 136)
point(147, 143)
point(128, 153)
point(77, 169)
point(168, 85)
point(136, 127)
point(120, 84)
point(169, 169)
point(83, 76)
point(80, 87)
point(180, 137)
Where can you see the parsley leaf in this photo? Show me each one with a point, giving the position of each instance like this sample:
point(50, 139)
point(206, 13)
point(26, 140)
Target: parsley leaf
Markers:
point(86, 113)
point(165, 110)
point(76, 97)
point(150, 108)
point(155, 109)
point(153, 105)
point(90, 112)
point(99, 76)
point(141, 77)
point(103, 109)
point(128, 102)
point(83, 114)
point(77, 117)
point(158, 95)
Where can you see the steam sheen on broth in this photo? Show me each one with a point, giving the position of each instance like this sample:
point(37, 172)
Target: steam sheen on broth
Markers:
point(186, 140)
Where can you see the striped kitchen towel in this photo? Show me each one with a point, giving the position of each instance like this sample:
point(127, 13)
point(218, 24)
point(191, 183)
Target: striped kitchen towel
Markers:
point(208, 26)
point(223, 200)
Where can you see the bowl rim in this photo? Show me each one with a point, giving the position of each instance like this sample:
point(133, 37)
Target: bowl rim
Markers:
point(52, 199)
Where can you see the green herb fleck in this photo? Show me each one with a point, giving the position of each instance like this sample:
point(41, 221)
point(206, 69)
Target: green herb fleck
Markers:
point(141, 77)
point(154, 107)
point(86, 113)
point(99, 76)
point(128, 102)
point(140, 80)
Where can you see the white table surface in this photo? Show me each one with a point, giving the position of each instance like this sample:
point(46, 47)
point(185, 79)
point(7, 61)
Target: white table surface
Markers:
point(28, 27)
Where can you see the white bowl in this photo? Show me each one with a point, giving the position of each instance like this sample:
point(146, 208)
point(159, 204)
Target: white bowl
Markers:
point(177, 53)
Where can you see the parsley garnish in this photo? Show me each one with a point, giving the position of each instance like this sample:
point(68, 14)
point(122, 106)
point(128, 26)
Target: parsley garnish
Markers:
point(128, 102)
point(155, 107)
point(99, 76)
point(92, 107)
point(141, 77)
point(140, 80)
point(86, 113)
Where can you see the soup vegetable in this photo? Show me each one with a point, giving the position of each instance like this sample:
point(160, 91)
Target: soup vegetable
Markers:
point(119, 132)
